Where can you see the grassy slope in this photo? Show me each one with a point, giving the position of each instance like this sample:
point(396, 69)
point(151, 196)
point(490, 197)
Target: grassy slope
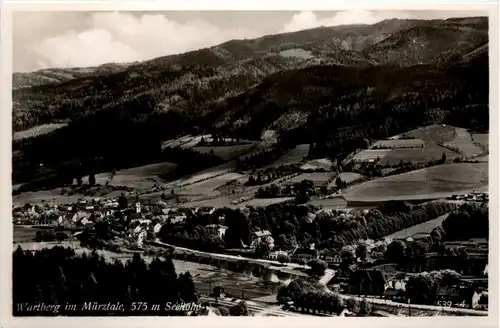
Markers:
point(425, 227)
point(433, 182)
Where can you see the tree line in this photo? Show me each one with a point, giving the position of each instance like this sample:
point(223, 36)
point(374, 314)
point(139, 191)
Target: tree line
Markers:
point(59, 276)
point(302, 225)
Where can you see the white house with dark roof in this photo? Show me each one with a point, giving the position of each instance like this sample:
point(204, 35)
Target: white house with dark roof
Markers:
point(216, 229)
point(259, 236)
point(157, 228)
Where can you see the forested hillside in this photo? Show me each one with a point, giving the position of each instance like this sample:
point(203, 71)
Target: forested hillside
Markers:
point(359, 81)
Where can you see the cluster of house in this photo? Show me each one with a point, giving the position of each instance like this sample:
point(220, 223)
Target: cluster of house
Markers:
point(140, 219)
point(472, 197)
point(384, 281)
point(300, 254)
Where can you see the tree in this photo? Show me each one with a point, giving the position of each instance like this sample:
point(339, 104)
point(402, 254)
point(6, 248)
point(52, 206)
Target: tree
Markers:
point(352, 305)
point(362, 252)
point(318, 267)
point(122, 202)
point(224, 311)
point(365, 308)
point(172, 192)
point(396, 252)
point(60, 236)
point(422, 289)
point(283, 258)
point(366, 144)
point(239, 310)
point(340, 183)
point(262, 248)
point(186, 287)
point(443, 158)
point(348, 255)
point(79, 180)
point(91, 180)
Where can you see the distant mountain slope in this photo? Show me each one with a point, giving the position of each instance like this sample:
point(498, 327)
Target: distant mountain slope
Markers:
point(244, 87)
point(60, 75)
point(193, 81)
point(424, 44)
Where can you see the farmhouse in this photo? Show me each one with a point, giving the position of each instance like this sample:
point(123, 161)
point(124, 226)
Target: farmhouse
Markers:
point(395, 295)
point(216, 229)
point(274, 255)
point(331, 257)
point(304, 254)
point(259, 236)
point(157, 228)
point(368, 282)
point(478, 245)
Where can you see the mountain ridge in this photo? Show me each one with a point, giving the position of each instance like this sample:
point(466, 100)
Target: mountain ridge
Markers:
point(241, 89)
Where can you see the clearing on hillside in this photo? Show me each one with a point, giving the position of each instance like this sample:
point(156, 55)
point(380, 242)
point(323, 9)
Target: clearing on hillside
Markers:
point(417, 155)
point(297, 53)
point(317, 164)
point(370, 155)
point(337, 202)
point(208, 187)
point(194, 141)
point(482, 139)
point(296, 155)
point(433, 182)
point(225, 152)
point(463, 143)
point(318, 178)
point(24, 234)
point(201, 176)
point(425, 227)
point(37, 131)
point(432, 133)
point(346, 177)
point(398, 143)
point(141, 177)
point(177, 142)
point(410, 146)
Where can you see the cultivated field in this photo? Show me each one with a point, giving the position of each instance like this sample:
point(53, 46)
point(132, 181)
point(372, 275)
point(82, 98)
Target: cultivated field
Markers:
point(425, 227)
point(482, 139)
point(399, 143)
point(346, 177)
point(350, 176)
point(177, 142)
point(207, 187)
point(464, 143)
point(417, 155)
point(433, 133)
point(24, 234)
point(404, 149)
point(52, 195)
point(36, 131)
point(202, 175)
point(434, 182)
point(370, 154)
point(318, 178)
point(141, 177)
point(330, 203)
point(316, 164)
point(225, 152)
point(262, 202)
point(295, 155)
point(195, 140)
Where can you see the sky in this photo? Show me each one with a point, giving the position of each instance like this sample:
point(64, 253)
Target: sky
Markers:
point(82, 38)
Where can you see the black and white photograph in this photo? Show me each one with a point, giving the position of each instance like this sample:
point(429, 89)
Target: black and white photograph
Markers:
point(251, 163)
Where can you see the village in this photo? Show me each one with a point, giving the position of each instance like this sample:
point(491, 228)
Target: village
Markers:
point(362, 269)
